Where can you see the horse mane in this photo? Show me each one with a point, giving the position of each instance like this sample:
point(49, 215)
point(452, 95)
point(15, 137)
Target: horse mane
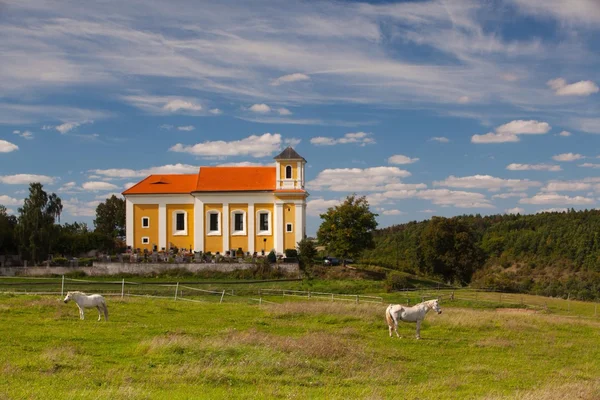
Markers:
point(76, 292)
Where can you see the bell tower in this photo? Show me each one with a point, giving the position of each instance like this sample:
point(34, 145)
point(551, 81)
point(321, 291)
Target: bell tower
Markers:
point(290, 170)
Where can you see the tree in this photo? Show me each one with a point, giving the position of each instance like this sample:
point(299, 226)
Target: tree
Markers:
point(306, 253)
point(110, 218)
point(347, 229)
point(8, 244)
point(36, 228)
point(449, 248)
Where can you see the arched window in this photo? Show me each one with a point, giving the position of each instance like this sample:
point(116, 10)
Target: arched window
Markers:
point(288, 172)
point(213, 223)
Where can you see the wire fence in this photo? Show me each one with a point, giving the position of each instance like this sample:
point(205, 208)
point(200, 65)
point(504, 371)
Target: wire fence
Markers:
point(186, 291)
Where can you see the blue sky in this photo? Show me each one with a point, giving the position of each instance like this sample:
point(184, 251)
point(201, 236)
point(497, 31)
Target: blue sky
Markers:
point(426, 107)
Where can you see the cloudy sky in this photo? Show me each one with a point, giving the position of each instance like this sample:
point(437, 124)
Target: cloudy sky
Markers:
point(428, 108)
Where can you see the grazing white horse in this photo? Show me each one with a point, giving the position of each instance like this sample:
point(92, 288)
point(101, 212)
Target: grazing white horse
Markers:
point(398, 312)
point(84, 301)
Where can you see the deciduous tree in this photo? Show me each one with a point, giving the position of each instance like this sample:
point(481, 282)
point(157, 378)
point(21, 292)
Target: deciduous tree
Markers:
point(347, 229)
point(110, 217)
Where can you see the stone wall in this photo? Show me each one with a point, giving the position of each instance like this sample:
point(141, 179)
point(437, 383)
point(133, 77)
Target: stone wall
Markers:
point(103, 269)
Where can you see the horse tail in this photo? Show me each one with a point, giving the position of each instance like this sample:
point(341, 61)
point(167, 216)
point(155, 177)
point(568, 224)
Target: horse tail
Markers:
point(105, 308)
point(388, 316)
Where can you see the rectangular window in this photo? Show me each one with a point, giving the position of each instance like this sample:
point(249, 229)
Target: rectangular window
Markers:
point(145, 240)
point(180, 225)
point(288, 228)
point(238, 222)
point(264, 222)
point(145, 222)
point(214, 222)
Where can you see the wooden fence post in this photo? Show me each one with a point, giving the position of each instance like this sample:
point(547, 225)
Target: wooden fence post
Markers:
point(176, 290)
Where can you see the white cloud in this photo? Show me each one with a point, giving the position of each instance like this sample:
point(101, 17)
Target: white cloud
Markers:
point(553, 198)
point(459, 199)
point(509, 132)
point(292, 142)
point(589, 165)
point(26, 179)
point(581, 88)
point(125, 173)
point(589, 125)
point(357, 179)
point(178, 105)
point(284, 111)
point(215, 111)
point(78, 208)
point(519, 127)
point(10, 201)
point(290, 78)
point(404, 186)
point(427, 211)
point(242, 164)
point(361, 138)
point(509, 77)
point(567, 157)
point(165, 105)
point(515, 210)
point(97, 186)
point(392, 212)
point(509, 195)
point(494, 138)
point(401, 159)
point(166, 126)
point(7, 147)
point(69, 126)
point(440, 139)
point(561, 186)
point(464, 99)
point(565, 133)
point(486, 182)
point(319, 206)
point(186, 128)
point(575, 12)
point(533, 167)
point(105, 196)
point(24, 134)
point(260, 108)
point(128, 185)
point(255, 146)
point(68, 187)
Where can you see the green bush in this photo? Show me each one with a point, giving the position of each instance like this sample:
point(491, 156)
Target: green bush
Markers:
point(60, 261)
point(397, 281)
point(291, 253)
point(272, 257)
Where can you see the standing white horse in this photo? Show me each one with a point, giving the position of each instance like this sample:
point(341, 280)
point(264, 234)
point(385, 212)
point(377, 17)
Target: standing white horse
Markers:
point(398, 312)
point(84, 301)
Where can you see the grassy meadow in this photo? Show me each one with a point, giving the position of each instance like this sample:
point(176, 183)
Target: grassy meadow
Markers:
point(165, 349)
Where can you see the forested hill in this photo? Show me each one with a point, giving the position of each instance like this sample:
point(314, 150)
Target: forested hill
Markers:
point(514, 252)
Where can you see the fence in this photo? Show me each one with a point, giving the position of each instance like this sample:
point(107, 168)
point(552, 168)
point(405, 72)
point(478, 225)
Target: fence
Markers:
point(188, 292)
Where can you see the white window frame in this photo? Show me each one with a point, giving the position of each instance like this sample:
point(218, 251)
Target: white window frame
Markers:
point(259, 232)
point(232, 229)
point(208, 231)
point(145, 218)
point(183, 232)
point(291, 172)
point(289, 227)
point(145, 240)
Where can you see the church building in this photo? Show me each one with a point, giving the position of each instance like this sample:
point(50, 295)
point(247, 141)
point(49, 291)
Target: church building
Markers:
point(221, 208)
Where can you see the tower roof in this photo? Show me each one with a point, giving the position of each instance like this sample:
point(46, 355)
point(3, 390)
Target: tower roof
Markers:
point(289, 154)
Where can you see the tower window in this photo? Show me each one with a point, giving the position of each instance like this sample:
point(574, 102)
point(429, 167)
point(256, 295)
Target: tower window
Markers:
point(288, 172)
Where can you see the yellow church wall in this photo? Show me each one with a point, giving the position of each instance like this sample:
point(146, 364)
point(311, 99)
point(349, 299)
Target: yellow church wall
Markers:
point(289, 217)
point(140, 211)
point(237, 241)
point(213, 243)
point(180, 241)
point(259, 242)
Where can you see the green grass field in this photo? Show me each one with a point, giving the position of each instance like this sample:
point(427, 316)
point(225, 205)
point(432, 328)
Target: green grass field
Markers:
point(165, 349)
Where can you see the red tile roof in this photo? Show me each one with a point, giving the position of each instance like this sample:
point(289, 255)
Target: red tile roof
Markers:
point(236, 179)
point(212, 179)
point(164, 184)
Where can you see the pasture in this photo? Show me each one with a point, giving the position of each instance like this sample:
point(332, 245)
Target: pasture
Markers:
point(165, 349)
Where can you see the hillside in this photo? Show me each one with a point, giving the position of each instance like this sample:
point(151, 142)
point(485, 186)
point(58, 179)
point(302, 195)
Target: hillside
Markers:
point(556, 254)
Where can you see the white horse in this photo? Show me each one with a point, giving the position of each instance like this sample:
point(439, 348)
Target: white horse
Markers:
point(398, 312)
point(84, 301)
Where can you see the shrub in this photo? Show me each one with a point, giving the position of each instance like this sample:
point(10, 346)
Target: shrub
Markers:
point(291, 253)
point(272, 257)
point(396, 281)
